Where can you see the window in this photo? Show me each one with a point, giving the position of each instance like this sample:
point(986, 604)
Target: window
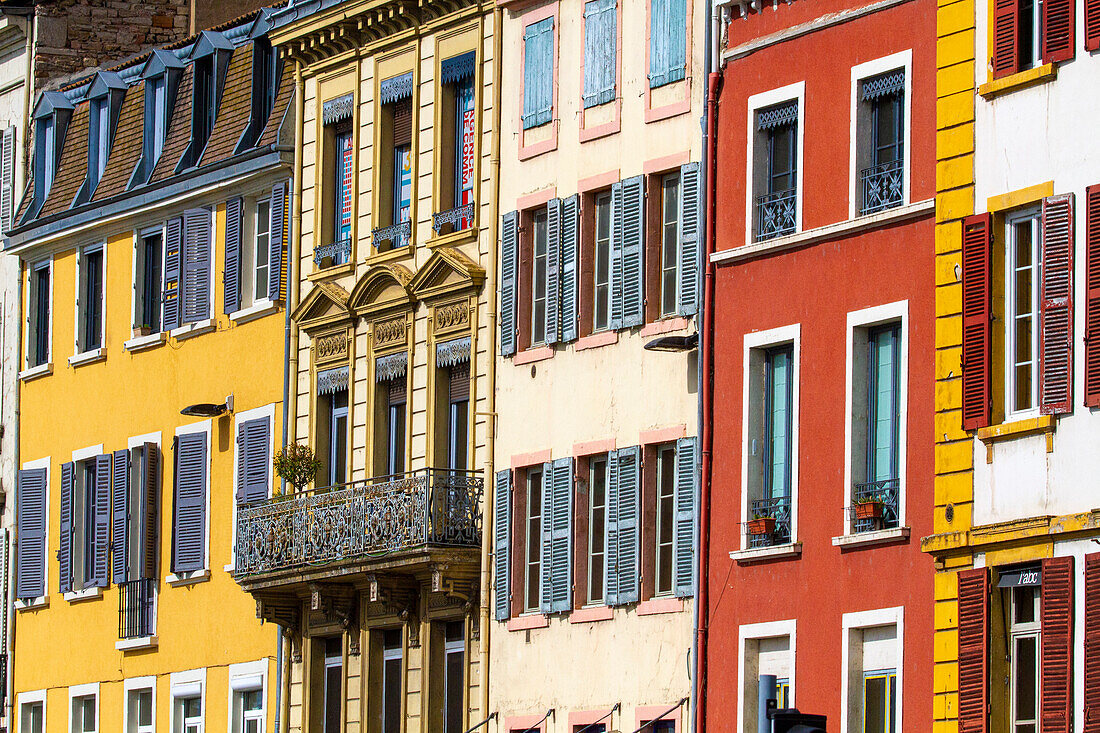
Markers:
point(600, 47)
point(777, 437)
point(342, 185)
point(338, 437)
point(458, 123)
point(149, 270)
point(880, 143)
point(189, 538)
point(660, 726)
point(90, 300)
point(447, 702)
point(1022, 280)
point(539, 284)
point(332, 684)
point(538, 73)
point(395, 427)
point(458, 416)
point(670, 243)
point(205, 105)
point(783, 692)
point(248, 711)
point(84, 714)
point(139, 711)
point(667, 41)
point(256, 255)
point(533, 540)
point(402, 163)
point(38, 308)
point(136, 547)
point(85, 487)
point(253, 455)
point(768, 650)
point(99, 139)
point(393, 205)
point(339, 178)
point(393, 669)
point(602, 263)
point(775, 170)
point(156, 99)
point(47, 145)
point(879, 699)
point(597, 527)
point(590, 728)
point(32, 717)
point(666, 518)
point(876, 426)
point(1023, 652)
point(1029, 34)
point(189, 714)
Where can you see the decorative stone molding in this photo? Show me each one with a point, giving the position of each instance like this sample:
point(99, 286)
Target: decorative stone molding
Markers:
point(387, 333)
point(331, 348)
point(452, 317)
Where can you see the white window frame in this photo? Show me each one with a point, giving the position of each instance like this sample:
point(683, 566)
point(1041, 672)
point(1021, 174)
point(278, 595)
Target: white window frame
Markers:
point(145, 642)
point(747, 633)
point(755, 342)
point(757, 102)
point(136, 684)
point(247, 677)
point(203, 325)
point(44, 599)
point(78, 594)
point(254, 240)
point(1035, 214)
point(244, 416)
point(1032, 629)
point(91, 690)
point(851, 624)
point(189, 683)
point(81, 355)
point(28, 370)
point(868, 318)
point(861, 72)
point(202, 426)
point(30, 698)
point(139, 236)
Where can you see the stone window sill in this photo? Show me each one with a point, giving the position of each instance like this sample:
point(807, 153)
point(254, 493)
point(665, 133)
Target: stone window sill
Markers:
point(140, 642)
point(530, 356)
point(1019, 80)
point(140, 343)
point(193, 329)
point(761, 554)
point(993, 434)
point(87, 594)
point(258, 309)
point(870, 539)
point(595, 340)
point(591, 614)
point(528, 621)
point(33, 604)
point(665, 325)
point(332, 271)
point(41, 370)
point(87, 357)
point(655, 606)
point(180, 579)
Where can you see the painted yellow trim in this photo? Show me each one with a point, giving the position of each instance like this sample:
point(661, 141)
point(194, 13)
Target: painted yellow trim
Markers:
point(1042, 425)
point(1019, 197)
point(1014, 555)
point(1019, 80)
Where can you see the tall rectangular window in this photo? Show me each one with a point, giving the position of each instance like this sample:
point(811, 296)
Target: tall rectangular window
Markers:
point(1030, 36)
point(666, 519)
point(342, 186)
point(187, 716)
point(597, 528)
point(32, 717)
point(538, 73)
point(338, 438)
point(159, 121)
point(458, 416)
point(261, 252)
point(533, 540)
point(879, 700)
point(393, 668)
point(395, 424)
point(90, 302)
point(1022, 310)
point(458, 120)
point(463, 148)
point(601, 310)
point(670, 242)
point(600, 47)
point(777, 422)
point(1024, 635)
point(775, 170)
point(84, 714)
point(539, 284)
point(205, 105)
point(880, 143)
point(150, 273)
point(884, 416)
point(49, 152)
point(99, 138)
point(139, 711)
point(332, 685)
point(248, 711)
point(454, 676)
point(401, 191)
point(38, 341)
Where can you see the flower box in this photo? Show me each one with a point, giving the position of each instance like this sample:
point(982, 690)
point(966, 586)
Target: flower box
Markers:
point(869, 510)
point(761, 525)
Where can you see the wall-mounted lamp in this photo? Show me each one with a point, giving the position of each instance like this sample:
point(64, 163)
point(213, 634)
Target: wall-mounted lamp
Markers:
point(673, 343)
point(208, 409)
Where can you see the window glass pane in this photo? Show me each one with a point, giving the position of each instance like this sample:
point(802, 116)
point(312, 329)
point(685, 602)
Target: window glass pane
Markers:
point(597, 527)
point(884, 403)
point(539, 274)
point(391, 681)
point(338, 440)
point(1026, 673)
point(402, 198)
point(149, 315)
point(666, 477)
point(778, 422)
point(397, 439)
point(262, 249)
point(874, 704)
point(781, 160)
point(1022, 305)
point(144, 707)
point(602, 268)
point(464, 143)
point(534, 538)
point(1023, 604)
point(670, 191)
point(888, 126)
point(459, 418)
point(343, 174)
point(455, 673)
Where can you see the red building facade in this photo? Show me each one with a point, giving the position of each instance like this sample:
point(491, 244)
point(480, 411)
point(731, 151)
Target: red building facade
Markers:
point(822, 264)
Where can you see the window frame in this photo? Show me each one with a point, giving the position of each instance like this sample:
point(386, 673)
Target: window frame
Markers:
point(660, 452)
point(99, 138)
point(669, 309)
point(25, 700)
point(532, 569)
point(1036, 58)
point(187, 685)
point(80, 348)
point(590, 545)
point(390, 654)
point(33, 324)
point(83, 692)
point(133, 685)
point(1011, 219)
point(539, 217)
point(1015, 632)
point(601, 199)
point(138, 299)
point(856, 623)
point(79, 543)
point(749, 636)
point(756, 103)
point(245, 677)
point(860, 73)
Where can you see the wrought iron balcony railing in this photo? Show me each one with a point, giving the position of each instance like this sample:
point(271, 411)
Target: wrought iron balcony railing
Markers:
point(875, 505)
point(136, 608)
point(338, 253)
point(458, 218)
point(398, 235)
point(775, 214)
point(771, 522)
point(364, 519)
point(882, 186)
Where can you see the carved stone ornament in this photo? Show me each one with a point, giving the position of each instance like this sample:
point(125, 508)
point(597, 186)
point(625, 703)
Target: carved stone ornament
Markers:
point(390, 332)
point(452, 316)
point(331, 348)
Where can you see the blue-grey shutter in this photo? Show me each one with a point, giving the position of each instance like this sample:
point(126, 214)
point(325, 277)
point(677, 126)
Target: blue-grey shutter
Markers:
point(189, 536)
point(600, 42)
point(632, 255)
point(508, 261)
point(196, 265)
point(101, 539)
point(65, 540)
point(150, 531)
point(231, 278)
point(667, 41)
point(627, 508)
point(30, 559)
point(172, 289)
point(502, 531)
point(7, 179)
point(553, 270)
point(687, 291)
point(557, 536)
point(538, 73)
point(275, 282)
point(253, 459)
point(683, 538)
point(677, 40)
point(120, 517)
point(568, 312)
point(616, 263)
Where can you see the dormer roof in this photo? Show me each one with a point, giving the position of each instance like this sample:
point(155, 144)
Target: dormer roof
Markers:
point(104, 82)
point(160, 61)
point(50, 102)
point(207, 43)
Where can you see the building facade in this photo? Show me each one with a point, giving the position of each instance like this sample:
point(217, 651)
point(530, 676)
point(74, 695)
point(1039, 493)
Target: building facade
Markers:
point(150, 240)
point(821, 482)
point(375, 566)
point(1018, 575)
point(597, 451)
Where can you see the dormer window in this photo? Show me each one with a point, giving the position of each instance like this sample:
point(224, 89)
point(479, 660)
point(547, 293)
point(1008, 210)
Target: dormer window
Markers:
point(51, 119)
point(157, 100)
point(205, 104)
point(162, 77)
point(99, 139)
point(47, 147)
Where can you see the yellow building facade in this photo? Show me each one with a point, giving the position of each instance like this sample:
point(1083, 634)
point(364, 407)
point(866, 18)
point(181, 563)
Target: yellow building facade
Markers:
point(152, 240)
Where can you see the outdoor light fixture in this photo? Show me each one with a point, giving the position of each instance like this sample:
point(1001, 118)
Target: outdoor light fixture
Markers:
point(208, 409)
point(673, 343)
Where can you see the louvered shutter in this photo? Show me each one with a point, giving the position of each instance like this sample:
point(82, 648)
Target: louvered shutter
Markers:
point(150, 534)
point(611, 538)
point(1092, 292)
point(65, 540)
point(600, 43)
point(553, 270)
point(1092, 643)
point(658, 42)
point(276, 283)
point(1056, 307)
point(508, 261)
point(557, 536)
point(677, 40)
point(683, 539)
point(1056, 642)
point(627, 490)
point(1092, 25)
point(101, 540)
point(7, 179)
point(253, 459)
point(231, 278)
point(196, 265)
point(538, 73)
point(120, 516)
point(189, 536)
point(633, 252)
point(1006, 29)
point(502, 532)
point(1059, 30)
point(569, 233)
point(30, 507)
point(977, 321)
point(974, 651)
point(172, 289)
point(687, 292)
point(616, 264)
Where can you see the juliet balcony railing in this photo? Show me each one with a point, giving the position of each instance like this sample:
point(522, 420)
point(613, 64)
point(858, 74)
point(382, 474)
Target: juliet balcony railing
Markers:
point(770, 523)
point(421, 510)
point(398, 235)
point(874, 505)
point(137, 608)
point(453, 220)
point(334, 253)
point(775, 214)
point(882, 187)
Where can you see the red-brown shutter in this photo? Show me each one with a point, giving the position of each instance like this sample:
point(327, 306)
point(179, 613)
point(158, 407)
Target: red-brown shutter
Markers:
point(1058, 30)
point(1056, 307)
point(1092, 25)
point(977, 322)
point(1092, 643)
point(1056, 642)
point(974, 651)
point(1092, 294)
point(1006, 29)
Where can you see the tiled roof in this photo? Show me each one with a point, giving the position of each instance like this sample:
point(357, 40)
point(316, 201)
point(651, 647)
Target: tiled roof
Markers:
point(270, 134)
point(25, 203)
point(73, 167)
point(126, 149)
point(234, 110)
point(179, 130)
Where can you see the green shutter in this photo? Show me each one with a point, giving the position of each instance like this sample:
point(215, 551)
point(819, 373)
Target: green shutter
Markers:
point(687, 291)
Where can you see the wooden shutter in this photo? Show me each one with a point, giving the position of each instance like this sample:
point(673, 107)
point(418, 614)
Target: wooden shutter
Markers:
point(508, 260)
point(276, 283)
point(683, 539)
point(101, 541)
point(1092, 643)
point(658, 42)
point(974, 651)
point(231, 278)
point(172, 290)
point(30, 558)
point(538, 73)
point(1006, 30)
point(626, 501)
point(1059, 30)
point(977, 286)
point(611, 543)
point(1056, 307)
point(1092, 292)
point(1056, 642)
point(553, 270)
point(150, 527)
point(687, 292)
point(189, 536)
point(632, 259)
point(253, 459)
point(7, 179)
point(196, 265)
point(600, 45)
point(557, 539)
point(616, 259)
point(1092, 25)
point(567, 315)
point(677, 40)
point(65, 540)
point(120, 516)
point(502, 532)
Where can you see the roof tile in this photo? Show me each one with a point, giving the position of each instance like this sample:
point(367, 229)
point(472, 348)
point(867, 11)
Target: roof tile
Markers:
point(126, 149)
point(73, 167)
point(270, 134)
point(234, 110)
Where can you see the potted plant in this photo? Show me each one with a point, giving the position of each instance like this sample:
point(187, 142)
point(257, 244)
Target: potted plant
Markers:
point(297, 465)
point(868, 507)
point(762, 522)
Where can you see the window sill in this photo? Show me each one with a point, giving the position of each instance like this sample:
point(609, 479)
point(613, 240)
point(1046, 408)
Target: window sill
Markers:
point(87, 594)
point(141, 343)
point(596, 340)
point(1042, 425)
point(322, 273)
point(140, 642)
point(390, 255)
point(33, 605)
point(870, 539)
point(666, 325)
point(529, 356)
point(528, 621)
point(193, 329)
point(1019, 80)
point(655, 606)
point(591, 614)
point(254, 311)
point(87, 357)
point(761, 554)
point(41, 370)
point(177, 580)
point(452, 239)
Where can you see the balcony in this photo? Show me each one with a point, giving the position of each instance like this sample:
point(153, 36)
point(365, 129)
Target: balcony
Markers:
point(453, 220)
point(874, 505)
point(398, 235)
point(882, 187)
point(329, 255)
point(775, 214)
point(771, 522)
point(136, 608)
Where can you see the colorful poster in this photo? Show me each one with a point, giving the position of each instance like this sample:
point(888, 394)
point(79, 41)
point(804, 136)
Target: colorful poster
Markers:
point(465, 120)
point(343, 198)
point(403, 165)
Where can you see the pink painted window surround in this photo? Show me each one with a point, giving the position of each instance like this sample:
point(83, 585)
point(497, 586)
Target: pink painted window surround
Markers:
point(533, 140)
